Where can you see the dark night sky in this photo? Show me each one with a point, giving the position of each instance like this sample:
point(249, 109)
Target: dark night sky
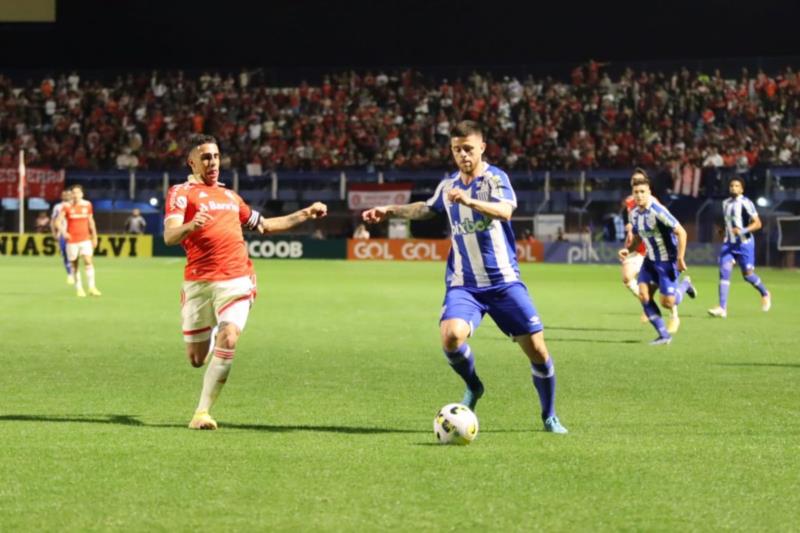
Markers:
point(232, 33)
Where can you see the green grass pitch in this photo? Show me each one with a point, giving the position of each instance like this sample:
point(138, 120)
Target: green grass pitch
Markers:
point(326, 421)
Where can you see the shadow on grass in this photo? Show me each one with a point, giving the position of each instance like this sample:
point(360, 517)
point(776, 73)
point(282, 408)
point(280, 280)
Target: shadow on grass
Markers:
point(131, 420)
point(775, 365)
point(600, 341)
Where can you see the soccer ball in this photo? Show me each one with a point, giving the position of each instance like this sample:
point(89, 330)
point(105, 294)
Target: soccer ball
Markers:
point(455, 424)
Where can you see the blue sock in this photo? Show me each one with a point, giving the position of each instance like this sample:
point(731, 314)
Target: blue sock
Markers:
point(755, 281)
point(462, 362)
point(654, 316)
point(681, 292)
point(544, 379)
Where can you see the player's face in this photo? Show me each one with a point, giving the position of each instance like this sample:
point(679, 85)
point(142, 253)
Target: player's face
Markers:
point(641, 195)
point(77, 195)
point(204, 161)
point(66, 196)
point(735, 188)
point(467, 152)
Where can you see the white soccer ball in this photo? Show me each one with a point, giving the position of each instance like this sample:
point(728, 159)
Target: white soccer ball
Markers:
point(455, 424)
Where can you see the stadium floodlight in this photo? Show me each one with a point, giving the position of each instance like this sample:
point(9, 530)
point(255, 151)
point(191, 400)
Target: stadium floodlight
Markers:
point(762, 202)
point(154, 201)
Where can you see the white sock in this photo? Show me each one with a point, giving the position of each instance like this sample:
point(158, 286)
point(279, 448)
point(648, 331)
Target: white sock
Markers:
point(78, 282)
point(633, 285)
point(90, 276)
point(216, 375)
point(674, 311)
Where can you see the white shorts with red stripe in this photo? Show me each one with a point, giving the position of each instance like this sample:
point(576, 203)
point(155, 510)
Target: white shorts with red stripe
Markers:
point(206, 303)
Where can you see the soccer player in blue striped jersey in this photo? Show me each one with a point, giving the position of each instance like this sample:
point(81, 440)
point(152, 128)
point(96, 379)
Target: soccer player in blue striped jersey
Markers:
point(66, 197)
point(665, 241)
point(482, 273)
point(741, 220)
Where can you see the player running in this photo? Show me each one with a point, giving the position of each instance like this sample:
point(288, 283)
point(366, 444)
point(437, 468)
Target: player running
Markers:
point(76, 224)
point(219, 281)
point(739, 246)
point(58, 232)
point(482, 272)
point(665, 240)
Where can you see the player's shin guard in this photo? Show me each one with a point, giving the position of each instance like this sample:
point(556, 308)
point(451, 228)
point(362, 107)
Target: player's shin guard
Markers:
point(654, 316)
point(463, 363)
point(724, 283)
point(755, 281)
point(544, 380)
point(216, 375)
point(90, 276)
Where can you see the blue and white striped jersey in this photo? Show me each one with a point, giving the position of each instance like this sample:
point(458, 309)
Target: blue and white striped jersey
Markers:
point(739, 212)
point(655, 225)
point(483, 252)
point(57, 211)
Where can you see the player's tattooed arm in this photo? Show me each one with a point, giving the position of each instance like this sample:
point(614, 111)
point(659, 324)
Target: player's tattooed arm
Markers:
point(414, 211)
point(287, 222)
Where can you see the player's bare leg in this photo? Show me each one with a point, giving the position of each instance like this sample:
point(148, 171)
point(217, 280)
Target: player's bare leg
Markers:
point(89, 266)
point(454, 333)
point(216, 375)
point(77, 276)
point(668, 303)
point(630, 273)
point(544, 378)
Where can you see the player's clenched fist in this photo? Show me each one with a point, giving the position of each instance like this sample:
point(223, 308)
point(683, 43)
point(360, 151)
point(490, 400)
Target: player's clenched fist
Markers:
point(458, 196)
point(623, 254)
point(316, 210)
point(201, 218)
point(375, 215)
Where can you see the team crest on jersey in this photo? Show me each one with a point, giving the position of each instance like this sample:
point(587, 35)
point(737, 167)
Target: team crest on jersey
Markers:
point(484, 190)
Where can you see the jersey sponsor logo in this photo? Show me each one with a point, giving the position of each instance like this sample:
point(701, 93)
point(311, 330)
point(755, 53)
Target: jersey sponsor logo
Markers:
point(217, 206)
point(471, 226)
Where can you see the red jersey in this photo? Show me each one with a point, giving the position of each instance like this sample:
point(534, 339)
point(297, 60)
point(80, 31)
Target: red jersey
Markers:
point(78, 217)
point(216, 251)
point(631, 204)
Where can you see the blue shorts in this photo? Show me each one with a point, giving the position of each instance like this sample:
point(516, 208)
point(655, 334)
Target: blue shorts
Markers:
point(509, 305)
point(743, 253)
point(661, 273)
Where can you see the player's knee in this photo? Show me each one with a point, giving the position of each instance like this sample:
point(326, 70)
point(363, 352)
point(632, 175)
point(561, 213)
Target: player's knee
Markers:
point(644, 296)
point(228, 335)
point(667, 301)
point(454, 335)
point(747, 273)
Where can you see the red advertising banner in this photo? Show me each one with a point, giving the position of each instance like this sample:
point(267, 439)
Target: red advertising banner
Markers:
point(367, 195)
point(425, 250)
point(40, 183)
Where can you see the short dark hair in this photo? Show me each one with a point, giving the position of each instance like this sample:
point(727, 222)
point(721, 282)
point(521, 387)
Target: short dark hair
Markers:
point(641, 179)
point(737, 178)
point(201, 139)
point(643, 172)
point(76, 186)
point(466, 128)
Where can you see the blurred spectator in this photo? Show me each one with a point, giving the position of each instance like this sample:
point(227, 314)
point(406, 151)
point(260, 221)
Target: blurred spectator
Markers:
point(135, 223)
point(42, 222)
point(361, 232)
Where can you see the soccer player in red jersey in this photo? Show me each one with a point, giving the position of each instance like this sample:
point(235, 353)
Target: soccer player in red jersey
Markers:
point(80, 232)
point(219, 281)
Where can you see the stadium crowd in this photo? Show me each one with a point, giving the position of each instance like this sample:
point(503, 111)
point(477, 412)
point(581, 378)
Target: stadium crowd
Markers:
point(402, 120)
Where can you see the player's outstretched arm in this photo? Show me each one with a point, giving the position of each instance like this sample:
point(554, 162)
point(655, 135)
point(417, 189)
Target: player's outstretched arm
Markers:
point(287, 222)
point(415, 211)
point(175, 232)
point(635, 241)
point(60, 226)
